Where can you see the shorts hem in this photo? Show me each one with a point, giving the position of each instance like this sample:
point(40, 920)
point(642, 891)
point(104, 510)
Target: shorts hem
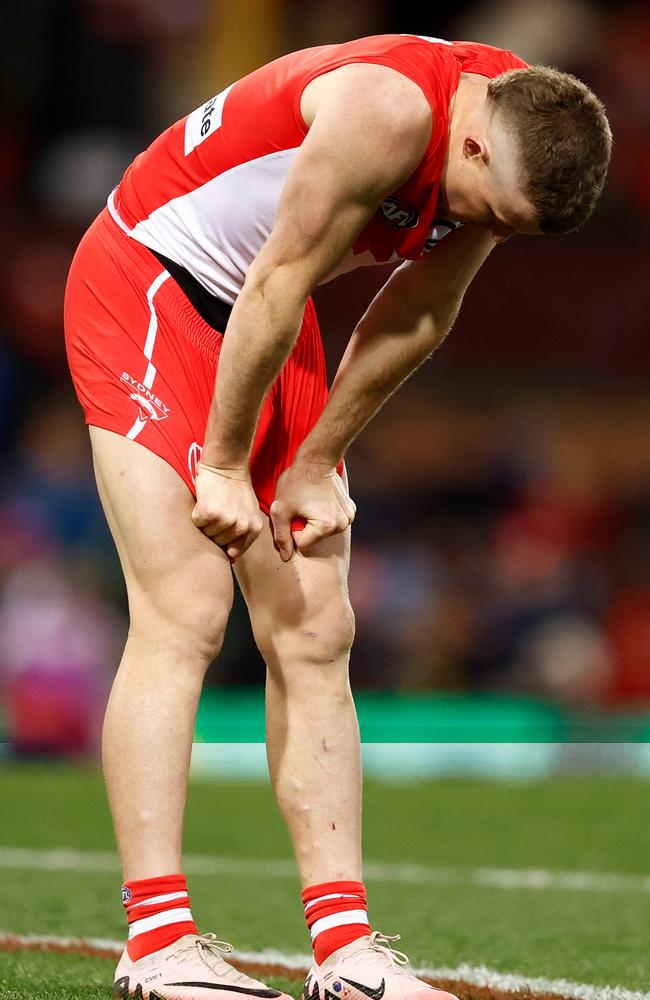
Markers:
point(94, 420)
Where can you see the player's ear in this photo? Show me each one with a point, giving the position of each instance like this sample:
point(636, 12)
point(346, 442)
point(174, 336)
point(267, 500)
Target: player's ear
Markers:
point(475, 146)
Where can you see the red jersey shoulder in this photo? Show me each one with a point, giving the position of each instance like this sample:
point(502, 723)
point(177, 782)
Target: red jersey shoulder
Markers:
point(253, 128)
point(407, 224)
point(486, 60)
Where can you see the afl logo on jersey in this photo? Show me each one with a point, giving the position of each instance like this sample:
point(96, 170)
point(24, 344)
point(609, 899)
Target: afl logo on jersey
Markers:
point(398, 214)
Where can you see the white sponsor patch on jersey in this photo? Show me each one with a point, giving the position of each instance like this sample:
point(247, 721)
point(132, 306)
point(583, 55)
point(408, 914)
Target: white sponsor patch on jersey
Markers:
point(205, 120)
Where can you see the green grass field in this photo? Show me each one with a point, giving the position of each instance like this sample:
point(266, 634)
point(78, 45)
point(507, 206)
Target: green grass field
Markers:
point(598, 934)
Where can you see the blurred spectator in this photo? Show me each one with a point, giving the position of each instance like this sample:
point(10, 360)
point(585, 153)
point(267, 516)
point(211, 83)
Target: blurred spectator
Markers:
point(553, 32)
point(58, 648)
point(621, 73)
point(60, 634)
point(48, 486)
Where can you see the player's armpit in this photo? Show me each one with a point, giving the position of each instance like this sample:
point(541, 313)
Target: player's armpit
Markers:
point(369, 134)
point(434, 285)
point(408, 318)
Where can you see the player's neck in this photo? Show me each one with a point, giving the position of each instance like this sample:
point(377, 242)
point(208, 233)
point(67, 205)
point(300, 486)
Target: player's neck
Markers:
point(465, 105)
point(466, 102)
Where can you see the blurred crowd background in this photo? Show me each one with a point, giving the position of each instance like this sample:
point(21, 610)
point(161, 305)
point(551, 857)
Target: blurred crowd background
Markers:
point(503, 533)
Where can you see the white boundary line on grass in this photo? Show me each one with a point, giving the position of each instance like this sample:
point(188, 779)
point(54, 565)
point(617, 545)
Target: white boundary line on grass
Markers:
point(64, 859)
point(477, 975)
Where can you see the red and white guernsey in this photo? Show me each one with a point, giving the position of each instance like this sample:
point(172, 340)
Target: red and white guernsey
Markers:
point(205, 192)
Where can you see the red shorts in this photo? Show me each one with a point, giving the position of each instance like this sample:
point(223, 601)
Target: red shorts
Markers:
point(143, 361)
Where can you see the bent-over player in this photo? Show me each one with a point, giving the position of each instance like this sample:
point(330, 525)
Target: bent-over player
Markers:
point(196, 355)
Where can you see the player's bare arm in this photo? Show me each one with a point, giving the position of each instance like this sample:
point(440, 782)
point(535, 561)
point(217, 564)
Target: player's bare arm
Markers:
point(369, 132)
point(407, 320)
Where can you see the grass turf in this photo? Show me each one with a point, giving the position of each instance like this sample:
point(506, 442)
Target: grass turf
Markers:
point(590, 936)
point(25, 976)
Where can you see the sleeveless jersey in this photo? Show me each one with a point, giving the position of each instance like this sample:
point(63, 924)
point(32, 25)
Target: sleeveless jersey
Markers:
point(205, 193)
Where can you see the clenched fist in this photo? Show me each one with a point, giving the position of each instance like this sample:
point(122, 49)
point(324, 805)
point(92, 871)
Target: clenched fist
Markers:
point(226, 508)
point(315, 493)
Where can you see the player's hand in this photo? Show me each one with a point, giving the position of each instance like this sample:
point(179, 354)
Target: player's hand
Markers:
point(316, 494)
point(226, 508)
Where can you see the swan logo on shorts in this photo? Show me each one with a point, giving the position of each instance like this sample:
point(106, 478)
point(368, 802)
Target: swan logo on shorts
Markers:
point(193, 458)
point(151, 407)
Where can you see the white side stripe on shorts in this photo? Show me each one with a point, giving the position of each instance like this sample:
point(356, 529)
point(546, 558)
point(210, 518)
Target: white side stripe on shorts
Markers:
point(339, 920)
point(147, 350)
point(179, 915)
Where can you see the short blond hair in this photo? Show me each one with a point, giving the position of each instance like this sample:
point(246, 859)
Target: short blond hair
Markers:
point(564, 140)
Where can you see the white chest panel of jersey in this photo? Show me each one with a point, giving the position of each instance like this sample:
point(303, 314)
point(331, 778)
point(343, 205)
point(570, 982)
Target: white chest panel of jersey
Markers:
point(216, 231)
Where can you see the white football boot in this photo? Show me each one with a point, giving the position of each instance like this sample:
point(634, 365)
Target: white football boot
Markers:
point(191, 968)
point(368, 969)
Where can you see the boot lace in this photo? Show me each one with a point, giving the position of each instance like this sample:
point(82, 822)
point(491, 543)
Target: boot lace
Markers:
point(209, 947)
point(382, 943)
point(211, 952)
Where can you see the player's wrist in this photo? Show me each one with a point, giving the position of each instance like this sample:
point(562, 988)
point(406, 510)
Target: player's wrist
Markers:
point(236, 472)
point(315, 459)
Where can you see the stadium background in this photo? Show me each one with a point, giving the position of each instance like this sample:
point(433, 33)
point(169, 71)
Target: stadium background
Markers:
point(500, 574)
point(502, 545)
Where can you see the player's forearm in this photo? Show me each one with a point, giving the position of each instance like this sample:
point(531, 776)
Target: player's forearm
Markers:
point(261, 332)
point(405, 323)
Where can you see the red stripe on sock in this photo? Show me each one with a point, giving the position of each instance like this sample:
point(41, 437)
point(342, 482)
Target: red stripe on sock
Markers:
point(134, 892)
point(324, 888)
point(150, 941)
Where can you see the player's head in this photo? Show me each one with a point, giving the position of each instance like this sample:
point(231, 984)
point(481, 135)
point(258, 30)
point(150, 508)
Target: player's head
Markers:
point(534, 157)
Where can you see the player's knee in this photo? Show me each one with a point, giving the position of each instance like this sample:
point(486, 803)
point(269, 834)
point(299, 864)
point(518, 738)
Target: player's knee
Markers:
point(322, 638)
point(331, 634)
point(190, 622)
point(204, 627)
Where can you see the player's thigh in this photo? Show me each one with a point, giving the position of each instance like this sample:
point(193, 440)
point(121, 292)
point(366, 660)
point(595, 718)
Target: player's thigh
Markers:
point(300, 610)
point(174, 574)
